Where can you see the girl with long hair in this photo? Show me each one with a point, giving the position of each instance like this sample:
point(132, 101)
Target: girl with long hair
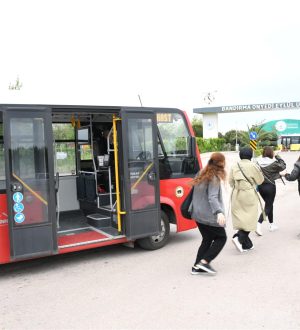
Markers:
point(208, 212)
point(271, 165)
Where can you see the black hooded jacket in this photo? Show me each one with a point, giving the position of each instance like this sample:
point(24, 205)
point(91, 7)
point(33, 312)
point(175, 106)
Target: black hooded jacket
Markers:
point(295, 174)
point(271, 168)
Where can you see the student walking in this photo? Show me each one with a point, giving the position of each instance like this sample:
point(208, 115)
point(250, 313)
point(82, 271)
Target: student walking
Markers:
point(243, 178)
point(271, 167)
point(295, 175)
point(208, 211)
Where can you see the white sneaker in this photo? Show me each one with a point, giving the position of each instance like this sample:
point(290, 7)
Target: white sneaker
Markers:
point(258, 229)
point(247, 250)
point(237, 244)
point(273, 227)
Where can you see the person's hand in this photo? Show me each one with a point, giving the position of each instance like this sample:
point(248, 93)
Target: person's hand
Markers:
point(283, 173)
point(221, 219)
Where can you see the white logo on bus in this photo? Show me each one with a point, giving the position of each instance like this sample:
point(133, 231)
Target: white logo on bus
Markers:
point(179, 192)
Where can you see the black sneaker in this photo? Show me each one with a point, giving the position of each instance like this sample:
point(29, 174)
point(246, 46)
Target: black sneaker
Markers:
point(207, 268)
point(237, 244)
point(196, 270)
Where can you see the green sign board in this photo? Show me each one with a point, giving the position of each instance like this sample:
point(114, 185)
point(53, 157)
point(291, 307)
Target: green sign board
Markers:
point(283, 126)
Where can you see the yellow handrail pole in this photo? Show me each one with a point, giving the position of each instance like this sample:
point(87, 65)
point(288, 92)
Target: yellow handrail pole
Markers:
point(141, 177)
point(30, 189)
point(119, 212)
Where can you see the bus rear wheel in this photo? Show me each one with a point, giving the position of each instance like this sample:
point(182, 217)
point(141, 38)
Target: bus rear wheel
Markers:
point(157, 241)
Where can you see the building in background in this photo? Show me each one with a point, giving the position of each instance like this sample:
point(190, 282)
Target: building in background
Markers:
point(288, 131)
point(210, 115)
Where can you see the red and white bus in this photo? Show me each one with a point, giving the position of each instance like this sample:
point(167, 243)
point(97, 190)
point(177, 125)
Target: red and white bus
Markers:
point(80, 177)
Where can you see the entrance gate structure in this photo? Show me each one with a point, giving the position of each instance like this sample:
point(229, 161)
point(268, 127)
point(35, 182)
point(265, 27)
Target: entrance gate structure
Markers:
point(210, 114)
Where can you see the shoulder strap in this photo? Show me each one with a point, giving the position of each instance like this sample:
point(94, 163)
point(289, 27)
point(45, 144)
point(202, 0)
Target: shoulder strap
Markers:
point(245, 176)
point(262, 209)
point(265, 176)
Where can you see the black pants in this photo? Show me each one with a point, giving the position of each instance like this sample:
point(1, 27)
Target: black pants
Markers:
point(244, 239)
point(213, 241)
point(268, 193)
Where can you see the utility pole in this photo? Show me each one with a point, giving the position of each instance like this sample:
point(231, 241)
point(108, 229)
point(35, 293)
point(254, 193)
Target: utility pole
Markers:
point(236, 144)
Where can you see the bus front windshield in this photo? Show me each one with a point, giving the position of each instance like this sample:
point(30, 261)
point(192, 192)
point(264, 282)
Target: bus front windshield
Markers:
point(173, 146)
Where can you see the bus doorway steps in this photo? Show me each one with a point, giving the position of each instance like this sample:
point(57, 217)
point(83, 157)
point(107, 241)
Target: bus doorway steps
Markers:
point(103, 223)
point(81, 236)
point(111, 231)
point(87, 235)
point(98, 220)
point(72, 220)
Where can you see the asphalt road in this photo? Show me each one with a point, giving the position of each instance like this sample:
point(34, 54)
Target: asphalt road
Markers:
point(122, 288)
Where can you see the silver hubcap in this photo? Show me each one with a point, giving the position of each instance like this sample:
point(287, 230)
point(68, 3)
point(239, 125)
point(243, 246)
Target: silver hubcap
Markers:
point(158, 238)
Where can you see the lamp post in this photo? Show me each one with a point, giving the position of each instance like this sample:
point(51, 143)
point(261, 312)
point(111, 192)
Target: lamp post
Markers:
point(236, 144)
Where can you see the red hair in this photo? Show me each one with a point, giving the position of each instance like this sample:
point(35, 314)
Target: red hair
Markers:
point(215, 167)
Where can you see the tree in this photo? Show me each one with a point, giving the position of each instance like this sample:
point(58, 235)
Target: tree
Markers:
point(16, 86)
point(63, 131)
point(264, 138)
point(234, 137)
point(197, 125)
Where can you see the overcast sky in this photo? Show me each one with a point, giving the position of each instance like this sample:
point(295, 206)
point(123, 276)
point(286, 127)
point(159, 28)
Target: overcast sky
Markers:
point(171, 53)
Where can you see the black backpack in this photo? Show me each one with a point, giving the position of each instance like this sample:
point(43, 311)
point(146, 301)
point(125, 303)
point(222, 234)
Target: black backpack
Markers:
point(185, 206)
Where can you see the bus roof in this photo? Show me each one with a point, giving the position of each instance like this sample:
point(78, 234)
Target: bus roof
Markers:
point(92, 108)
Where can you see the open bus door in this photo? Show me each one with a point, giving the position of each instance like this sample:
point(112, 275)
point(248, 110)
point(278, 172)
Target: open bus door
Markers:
point(30, 182)
point(286, 143)
point(140, 171)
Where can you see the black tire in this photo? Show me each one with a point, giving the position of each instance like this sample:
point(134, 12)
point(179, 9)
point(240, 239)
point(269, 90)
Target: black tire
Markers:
point(157, 241)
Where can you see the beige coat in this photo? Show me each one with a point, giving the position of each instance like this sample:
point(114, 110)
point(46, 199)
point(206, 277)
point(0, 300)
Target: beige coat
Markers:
point(244, 200)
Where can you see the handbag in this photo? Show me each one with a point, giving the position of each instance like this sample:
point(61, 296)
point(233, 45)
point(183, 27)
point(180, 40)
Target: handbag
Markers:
point(186, 206)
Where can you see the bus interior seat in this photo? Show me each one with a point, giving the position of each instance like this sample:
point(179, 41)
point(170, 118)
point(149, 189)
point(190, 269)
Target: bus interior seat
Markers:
point(90, 188)
point(189, 166)
point(175, 165)
point(80, 184)
point(164, 168)
point(86, 165)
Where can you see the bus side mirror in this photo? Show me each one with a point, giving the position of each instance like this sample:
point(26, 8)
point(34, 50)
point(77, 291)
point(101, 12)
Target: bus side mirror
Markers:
point(192, 144)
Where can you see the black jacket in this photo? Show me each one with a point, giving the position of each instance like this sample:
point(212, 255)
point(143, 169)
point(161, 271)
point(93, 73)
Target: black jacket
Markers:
point(271, 167)
point(295, 174)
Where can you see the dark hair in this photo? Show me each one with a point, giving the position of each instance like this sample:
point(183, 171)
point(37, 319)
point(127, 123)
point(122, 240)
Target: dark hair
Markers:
point(268, 152)
point(246, 153)
point(214, 167)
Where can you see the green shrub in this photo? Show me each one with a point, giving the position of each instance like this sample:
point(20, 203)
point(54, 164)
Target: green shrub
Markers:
point(213, 144)
point(258, 152)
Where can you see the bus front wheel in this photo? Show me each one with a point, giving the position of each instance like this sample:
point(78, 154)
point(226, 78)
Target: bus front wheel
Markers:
point(157, 241)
